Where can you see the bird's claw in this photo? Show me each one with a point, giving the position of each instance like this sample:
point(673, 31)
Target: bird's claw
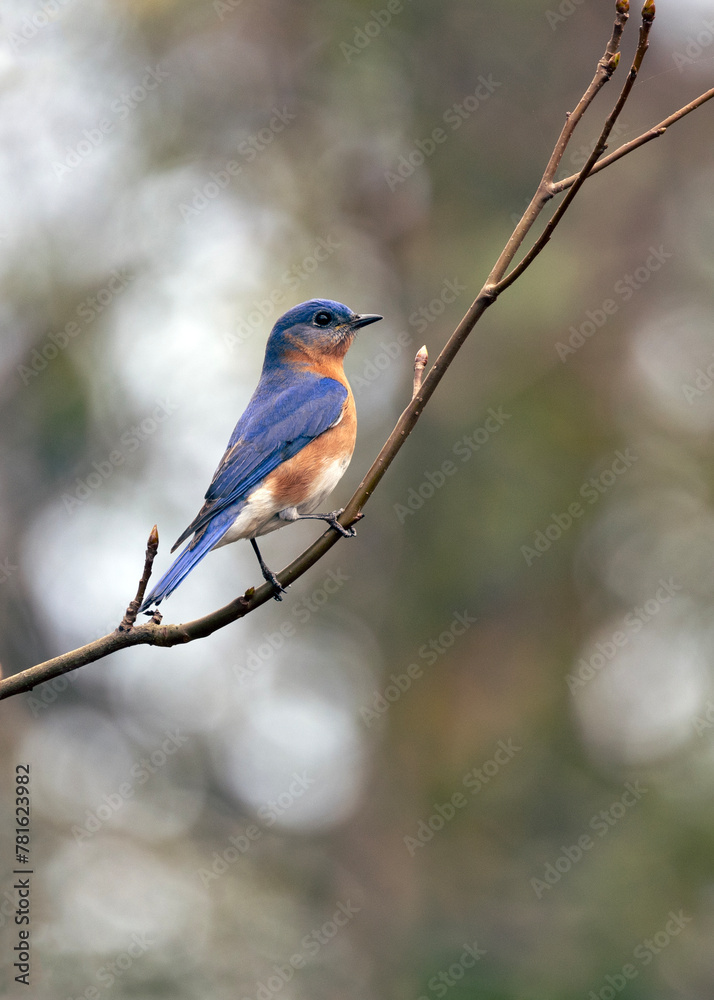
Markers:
point(331, 519)
point(277, 586)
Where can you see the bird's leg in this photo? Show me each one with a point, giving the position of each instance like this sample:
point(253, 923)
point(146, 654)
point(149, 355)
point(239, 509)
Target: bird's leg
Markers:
point(292, 515)
point(268, 574)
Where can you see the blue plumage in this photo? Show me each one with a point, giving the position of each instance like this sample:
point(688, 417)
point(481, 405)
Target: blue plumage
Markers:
point(301, 406)
point(279, 420)
point(202, 543)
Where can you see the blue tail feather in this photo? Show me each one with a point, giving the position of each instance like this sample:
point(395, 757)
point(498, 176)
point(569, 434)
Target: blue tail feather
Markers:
point(186, 560)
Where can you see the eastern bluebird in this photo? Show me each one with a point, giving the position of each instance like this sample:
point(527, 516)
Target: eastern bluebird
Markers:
point(291, 446)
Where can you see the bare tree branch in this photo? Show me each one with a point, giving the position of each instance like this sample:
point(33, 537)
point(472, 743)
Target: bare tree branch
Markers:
point(605, 68)
point(152, 547)
point(157, 634)
point(653, 133)
point(642, 46)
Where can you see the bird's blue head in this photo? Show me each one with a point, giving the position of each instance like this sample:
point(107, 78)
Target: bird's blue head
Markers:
point(316, 329)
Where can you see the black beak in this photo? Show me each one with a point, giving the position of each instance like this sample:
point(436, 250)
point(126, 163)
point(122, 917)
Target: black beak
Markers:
point(364, 320)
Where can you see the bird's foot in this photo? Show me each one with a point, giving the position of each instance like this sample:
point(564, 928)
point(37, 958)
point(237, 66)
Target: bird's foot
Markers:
point(331, 519)
point(268, 574)
point(278, 588)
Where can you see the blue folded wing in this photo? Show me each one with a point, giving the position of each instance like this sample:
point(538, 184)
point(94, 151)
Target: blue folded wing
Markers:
point(282, 417)
point(278, 422)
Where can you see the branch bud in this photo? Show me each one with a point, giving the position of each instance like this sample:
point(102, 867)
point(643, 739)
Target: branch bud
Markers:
point(622, 6)
point(153, 542)
point(422, 356)
point(648, 11)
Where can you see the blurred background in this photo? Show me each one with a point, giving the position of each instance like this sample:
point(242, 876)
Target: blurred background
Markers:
point(471, 754)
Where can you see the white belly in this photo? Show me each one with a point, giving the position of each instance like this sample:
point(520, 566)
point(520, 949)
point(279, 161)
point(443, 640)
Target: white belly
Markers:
point(259, 509)
point(261, 513)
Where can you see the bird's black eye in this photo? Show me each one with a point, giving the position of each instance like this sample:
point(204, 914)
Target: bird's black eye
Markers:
point(323, 318)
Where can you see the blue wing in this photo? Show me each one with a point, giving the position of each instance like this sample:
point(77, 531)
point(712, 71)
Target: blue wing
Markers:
point(182, 565)
point(277, 423)
point(282, 417)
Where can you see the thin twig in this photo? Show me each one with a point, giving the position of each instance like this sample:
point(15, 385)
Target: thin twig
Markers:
point(152, 547)
point(605, 68)
point(648, 14)
point(155, 634)
point(653, 133)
